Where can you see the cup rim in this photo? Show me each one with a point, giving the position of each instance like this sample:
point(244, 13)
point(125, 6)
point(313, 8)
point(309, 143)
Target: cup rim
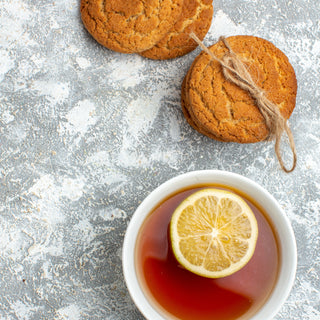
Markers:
point(288, 261)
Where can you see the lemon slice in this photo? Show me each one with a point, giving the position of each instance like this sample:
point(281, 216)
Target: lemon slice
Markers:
point(213, 233)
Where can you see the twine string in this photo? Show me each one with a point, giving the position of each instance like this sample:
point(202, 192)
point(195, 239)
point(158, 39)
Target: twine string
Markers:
point(236, 72)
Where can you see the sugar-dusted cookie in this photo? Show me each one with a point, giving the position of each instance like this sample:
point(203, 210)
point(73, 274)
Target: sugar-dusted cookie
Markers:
point(222, 110)
point(196, 17)
point(129, 25)
point(187, 111)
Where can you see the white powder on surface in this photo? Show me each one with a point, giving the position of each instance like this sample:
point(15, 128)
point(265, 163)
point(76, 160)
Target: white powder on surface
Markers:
point(71, 312)
point(222, 25)
point(110, 213)
point(79, 119)
point(6, 117)
point(49, 193)
point(83, 62)
point(128, 72)
point(6, 63)
point(55, 92)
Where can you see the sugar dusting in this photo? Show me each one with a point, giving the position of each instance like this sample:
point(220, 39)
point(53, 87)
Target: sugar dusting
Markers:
point(222, 25)
point(78, 121)
point(128, 72)
point(55, 92)
point(71, 312)
point(6, 63)
point(47, 194)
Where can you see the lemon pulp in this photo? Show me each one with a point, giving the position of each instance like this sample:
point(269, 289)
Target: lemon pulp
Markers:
point(213, 233)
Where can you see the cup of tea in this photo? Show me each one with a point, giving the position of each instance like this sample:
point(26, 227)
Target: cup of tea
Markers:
point(163, 289)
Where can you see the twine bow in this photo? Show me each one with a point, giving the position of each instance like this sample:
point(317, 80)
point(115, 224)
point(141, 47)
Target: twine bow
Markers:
point(236, 72)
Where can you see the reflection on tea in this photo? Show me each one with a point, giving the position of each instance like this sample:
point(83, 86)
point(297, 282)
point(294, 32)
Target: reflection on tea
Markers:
point(184, 295)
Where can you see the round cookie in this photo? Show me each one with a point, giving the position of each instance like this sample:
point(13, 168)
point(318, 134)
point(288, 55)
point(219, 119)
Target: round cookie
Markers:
point(129, 26)
point(188, 116)
point(196, 17)
point(187, 111)
point(228, 112)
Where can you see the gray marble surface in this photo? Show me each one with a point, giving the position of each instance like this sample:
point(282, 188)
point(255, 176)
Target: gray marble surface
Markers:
point(87, 133)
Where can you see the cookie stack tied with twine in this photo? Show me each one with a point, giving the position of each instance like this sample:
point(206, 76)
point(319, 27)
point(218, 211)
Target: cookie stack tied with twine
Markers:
point(154, 29)
point(241, 89)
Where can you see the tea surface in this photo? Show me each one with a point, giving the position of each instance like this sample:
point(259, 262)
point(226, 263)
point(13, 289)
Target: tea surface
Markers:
point(187, 296)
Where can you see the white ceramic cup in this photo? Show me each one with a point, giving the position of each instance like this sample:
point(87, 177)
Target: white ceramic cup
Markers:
point(288, 257)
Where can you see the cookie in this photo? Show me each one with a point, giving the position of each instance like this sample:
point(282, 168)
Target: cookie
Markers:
point(129, 26)
point(188, 111)
point(224, 111)
point(196, 17)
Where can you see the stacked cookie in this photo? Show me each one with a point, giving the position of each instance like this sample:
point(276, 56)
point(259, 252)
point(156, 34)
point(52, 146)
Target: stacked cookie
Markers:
point(155, 29)
point(246, 99)
point(222, 110)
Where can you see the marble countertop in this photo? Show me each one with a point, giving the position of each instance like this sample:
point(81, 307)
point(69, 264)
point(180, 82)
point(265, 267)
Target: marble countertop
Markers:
point(87, 133)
